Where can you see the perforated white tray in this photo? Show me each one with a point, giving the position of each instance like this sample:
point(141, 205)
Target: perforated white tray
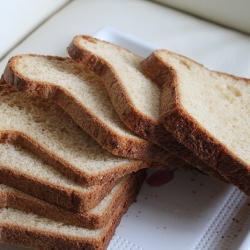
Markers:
point(191, 212)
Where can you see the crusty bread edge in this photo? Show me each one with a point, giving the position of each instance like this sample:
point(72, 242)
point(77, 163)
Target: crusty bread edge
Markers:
point(140, 123)
point(24, 140)
point(74, 200)
point(203, 144)
point(136, 148)
point(143, 125)
point(21, 201)
point(153, 67)
point(40, 239)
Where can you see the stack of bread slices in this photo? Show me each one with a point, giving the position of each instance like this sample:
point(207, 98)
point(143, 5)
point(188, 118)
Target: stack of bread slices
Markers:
point(78, 133)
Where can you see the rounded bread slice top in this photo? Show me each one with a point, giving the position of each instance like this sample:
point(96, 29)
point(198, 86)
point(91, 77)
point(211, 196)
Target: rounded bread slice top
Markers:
point(82, 95)
point(93, 218)
point(23, 170)
point(134, 96)
point(208, 112)
point(50, 133)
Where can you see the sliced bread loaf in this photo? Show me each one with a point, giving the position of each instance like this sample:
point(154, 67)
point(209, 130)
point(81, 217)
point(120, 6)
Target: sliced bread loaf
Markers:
point(23, 170)
point(48, 131)
point(93, 218)
point(82, 95)
point(135, 97)
point(208, 112)
point(33, 231)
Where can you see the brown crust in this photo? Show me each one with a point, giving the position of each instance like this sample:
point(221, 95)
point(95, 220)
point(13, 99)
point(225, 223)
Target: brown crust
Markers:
point(133, 118)
point(21, 201)
point(142, 125)
point(76, 201)
point(193, 136)
point(24, 140)
point(64, 167)
point(117, 144)
point(152, 67)
point(153, 130)
point(38, 239)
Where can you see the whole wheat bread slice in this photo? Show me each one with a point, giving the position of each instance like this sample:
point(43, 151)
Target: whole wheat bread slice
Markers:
point(23, 170)
point(46, 130)
point(82, 95)
point(135, 97)
point(93, 218)
point(33, 231)
point(207, 111)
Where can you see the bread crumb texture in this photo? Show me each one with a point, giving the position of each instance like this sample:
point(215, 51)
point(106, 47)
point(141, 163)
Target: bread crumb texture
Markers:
point(86, 88)
point(143, 93)
point(24, 162)
point(16, 217)
point(219, 102)
point(49, 125)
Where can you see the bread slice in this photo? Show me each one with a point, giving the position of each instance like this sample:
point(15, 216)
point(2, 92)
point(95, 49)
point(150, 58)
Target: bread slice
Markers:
point(208, 112)
point(135, 97)
point(23, 170)
point(82, 95)
point(33, 231)
point(93, 218)
point(46, 130)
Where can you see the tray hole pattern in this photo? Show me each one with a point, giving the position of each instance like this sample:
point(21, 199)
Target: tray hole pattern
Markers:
point(120, 243)
point(227, 225)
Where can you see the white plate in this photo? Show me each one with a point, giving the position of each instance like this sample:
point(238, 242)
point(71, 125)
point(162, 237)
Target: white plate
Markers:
point(193, 211)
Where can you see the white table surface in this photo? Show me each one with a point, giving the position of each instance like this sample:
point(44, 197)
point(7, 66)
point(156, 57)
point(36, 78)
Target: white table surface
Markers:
point(217, 47)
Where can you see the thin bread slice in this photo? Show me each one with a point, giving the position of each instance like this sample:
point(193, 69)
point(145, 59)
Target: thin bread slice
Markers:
point(33, 231)
point(135, 98)
point(207, 111)
point(23, 170)
point(45, 129)
point(82, 95)
point(93, 218)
